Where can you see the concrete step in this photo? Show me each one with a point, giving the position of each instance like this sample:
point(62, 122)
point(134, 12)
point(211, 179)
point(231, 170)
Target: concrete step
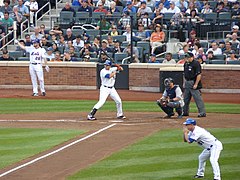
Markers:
point(11, 47)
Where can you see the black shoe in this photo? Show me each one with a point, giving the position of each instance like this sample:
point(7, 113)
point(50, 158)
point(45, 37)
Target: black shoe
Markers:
point(121, 117)
point(44, 94)
point(198, 177)
point(202, 115)
point(185, 114)
point(91, 118)
point(35, 94)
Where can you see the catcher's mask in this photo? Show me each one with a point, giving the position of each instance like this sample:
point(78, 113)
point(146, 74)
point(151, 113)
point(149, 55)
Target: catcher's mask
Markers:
point(167, 82)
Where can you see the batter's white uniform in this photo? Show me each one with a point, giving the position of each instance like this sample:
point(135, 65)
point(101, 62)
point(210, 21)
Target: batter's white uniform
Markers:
point(107, 88)
point(212, 149)
point(35, 68)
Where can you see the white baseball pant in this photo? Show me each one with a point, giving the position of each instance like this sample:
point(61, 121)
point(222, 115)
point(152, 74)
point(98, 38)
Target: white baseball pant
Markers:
point(36, 73)
point(104, 92)
point(213, 154)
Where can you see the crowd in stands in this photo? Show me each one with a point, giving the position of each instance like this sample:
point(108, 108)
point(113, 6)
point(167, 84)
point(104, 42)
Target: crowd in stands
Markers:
point(149, 25)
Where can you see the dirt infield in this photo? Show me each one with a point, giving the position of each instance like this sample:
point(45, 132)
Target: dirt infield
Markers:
point(93, 149)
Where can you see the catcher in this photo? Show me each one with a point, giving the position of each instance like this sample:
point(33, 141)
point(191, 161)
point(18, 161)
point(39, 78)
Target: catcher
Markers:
point(172, 98)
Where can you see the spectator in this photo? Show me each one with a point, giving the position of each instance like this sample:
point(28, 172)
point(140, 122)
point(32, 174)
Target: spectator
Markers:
point(86, 58)
point(141, 34)
point(168, 59)
point(135, 53)
point(23, 9)
point(129, 8)
point(87, 53)
point(105, 46)
point(215, 49)
point(36, 34)
point(6, 7)
point(220, 8)
point(193, 20)
point(118, 2)
point(105, 25)
point(69, 35)
point(162, 8)
point(157, 38)
point(234, 39)
point(192, 39)
point(45, 43)
point(54, 38)
point(55, 47)
point(5, 56)
point(113, 8)
point(231, 56)
point(222, 45)
point(128, 33)
point(2, 34)
point(157, 17)
point(227, 5)
point(85, 8)
point(184, 50)
point(182, 5)
point(87, 45)
point(89, 2)
point(68, 7)
point(206, 9)
point(143, 9)
point(103, 57)
point(200, 59)
point(117, 47)
point(49, 54)
point(196, 48)
point(166, 3)
point(235, 29)
point(78, 43)
point(72, 51)
point(236, 12)
point(145, 20)
point(61, 42)
point(16, 16)
point(201, 52)
point(136, 3)
point(28, 41)
point(33, 7)
point(173, 9)
point(110, 41)
point(105, 3)
point(7, 21)
point(150, 3)
point(177, 23)
point(13, 3)
point(68, 58)
point(56, 30)
point(96, 43)
point(210, 55)
point(114, 31)
point(20, 49)
point(57, 57)
point(153, 59)
point(191, 7)
point(100, 8)
point(68, 46)
point(125, 20)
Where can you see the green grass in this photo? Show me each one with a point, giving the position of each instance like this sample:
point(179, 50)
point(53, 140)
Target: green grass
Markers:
point(11, 105)
point(19, 143)
point(165, 156)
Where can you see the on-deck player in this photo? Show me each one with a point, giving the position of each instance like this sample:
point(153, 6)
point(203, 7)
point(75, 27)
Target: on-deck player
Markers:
point(37, 59)
point(108, 77)
point(212, 147)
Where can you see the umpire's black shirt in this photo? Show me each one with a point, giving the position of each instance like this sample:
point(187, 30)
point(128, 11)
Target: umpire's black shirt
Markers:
point(191, 70)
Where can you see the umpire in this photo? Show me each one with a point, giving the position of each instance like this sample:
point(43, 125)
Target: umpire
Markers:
point(193, 85)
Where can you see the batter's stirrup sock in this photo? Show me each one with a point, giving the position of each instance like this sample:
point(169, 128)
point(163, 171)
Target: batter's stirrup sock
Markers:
point(93, 112)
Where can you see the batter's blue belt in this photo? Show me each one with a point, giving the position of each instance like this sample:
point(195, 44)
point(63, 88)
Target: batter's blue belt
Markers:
point(110, 87)
point(211, 146)
point(35, 63)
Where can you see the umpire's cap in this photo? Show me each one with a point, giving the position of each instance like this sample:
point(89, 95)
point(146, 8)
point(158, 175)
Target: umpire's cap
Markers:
point(36, 41)
point(189, 55)
point(108, 63)
point(190, 121)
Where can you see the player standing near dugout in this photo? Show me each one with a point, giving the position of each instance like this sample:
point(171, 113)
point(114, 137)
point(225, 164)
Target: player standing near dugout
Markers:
point(212, 147)
point(37, 59)
point(108, 77)
point(193, 85)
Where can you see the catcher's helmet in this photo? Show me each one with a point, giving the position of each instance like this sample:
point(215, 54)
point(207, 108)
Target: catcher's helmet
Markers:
point(167, 82)
point(190, 121)
point(108, 63)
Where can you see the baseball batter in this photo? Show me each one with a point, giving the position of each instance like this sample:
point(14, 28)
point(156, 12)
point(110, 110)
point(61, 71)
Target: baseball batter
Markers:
point(108, 77)
point(212, 147)
point(37, 58)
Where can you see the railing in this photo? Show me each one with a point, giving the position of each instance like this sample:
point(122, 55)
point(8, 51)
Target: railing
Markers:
point(22, 26)
point(10, 33)
point(213, 35)
point(58, 2)
point(49, 11)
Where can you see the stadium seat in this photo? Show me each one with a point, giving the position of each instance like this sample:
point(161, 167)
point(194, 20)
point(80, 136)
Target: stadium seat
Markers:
point(236, 62)
point(96, 17)
point(23, 59)
point(16, 54)
point(119, 57)
point(66, 19)
point(120, 38)
point(217, 61)
point(81, 18)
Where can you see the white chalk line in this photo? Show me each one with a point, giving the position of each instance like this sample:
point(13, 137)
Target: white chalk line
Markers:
point(57, 120)
point(58, 150)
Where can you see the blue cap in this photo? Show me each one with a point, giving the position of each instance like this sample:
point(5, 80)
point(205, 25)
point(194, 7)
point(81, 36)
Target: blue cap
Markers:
point(35, 41)
point(108, 63)
point(49, 49)
point(128, 3)
point(190, 121)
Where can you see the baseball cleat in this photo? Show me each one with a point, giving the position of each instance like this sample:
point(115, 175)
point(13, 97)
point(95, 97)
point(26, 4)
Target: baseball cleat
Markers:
point(34, 94)
point(202, 115)
point(43, 93)
point(91, 118)
point(198, 177)
point(121, 117)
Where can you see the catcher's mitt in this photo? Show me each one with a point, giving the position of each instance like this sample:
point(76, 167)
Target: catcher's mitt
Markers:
point(119, 68)
point(162, 102)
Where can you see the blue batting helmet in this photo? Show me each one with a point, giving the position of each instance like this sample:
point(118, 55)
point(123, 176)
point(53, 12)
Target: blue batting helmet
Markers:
point(190, 121)
point(108, 63)
point(36, 41)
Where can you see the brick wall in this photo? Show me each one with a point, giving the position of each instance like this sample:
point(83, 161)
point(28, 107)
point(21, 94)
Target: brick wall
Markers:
point(145, 77)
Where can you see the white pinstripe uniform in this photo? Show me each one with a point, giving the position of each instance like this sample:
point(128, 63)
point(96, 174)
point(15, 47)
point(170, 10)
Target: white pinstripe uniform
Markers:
point(37, 56)
point(212, 149)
